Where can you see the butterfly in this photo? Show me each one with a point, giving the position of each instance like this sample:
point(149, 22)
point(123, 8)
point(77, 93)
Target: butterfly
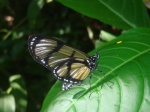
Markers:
point(67, 64)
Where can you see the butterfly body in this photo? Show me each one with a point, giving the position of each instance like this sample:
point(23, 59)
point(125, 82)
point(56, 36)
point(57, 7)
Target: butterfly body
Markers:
point(67, 64)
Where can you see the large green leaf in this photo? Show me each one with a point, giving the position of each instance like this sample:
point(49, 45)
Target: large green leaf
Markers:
point(123, 14)
point(126, 83)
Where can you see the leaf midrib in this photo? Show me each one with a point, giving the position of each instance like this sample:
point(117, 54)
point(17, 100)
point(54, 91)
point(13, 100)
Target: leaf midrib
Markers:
point(119, 15)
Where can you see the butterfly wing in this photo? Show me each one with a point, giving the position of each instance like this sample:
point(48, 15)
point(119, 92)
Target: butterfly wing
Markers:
point(67, 64)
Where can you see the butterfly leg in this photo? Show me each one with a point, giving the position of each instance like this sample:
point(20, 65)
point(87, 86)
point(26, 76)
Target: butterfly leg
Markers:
point(104, 78)
point(79, 83)
point(110, 85)
point(90, 85)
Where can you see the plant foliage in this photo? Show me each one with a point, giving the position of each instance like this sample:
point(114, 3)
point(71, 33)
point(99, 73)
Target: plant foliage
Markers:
point(126, 83)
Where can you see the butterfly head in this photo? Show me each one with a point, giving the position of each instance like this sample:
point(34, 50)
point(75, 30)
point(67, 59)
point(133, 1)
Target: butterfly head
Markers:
point(93, 61)
point(96, 56)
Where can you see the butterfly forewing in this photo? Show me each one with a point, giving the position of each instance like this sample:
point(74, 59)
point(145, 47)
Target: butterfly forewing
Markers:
point(57, 58)
point(66, 50)
point(43, 50)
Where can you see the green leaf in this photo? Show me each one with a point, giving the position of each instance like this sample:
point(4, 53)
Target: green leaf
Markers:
point(18, 90)
point(34, 10)
point(124, 87)
point(7, 103)
point(15, 98)
point(124, 14)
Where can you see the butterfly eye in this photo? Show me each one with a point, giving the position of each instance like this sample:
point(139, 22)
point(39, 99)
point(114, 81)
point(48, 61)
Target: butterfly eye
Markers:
point(67, 64)
point(97, 55)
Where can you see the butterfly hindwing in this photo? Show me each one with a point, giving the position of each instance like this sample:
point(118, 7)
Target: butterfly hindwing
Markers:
point(72, 71)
